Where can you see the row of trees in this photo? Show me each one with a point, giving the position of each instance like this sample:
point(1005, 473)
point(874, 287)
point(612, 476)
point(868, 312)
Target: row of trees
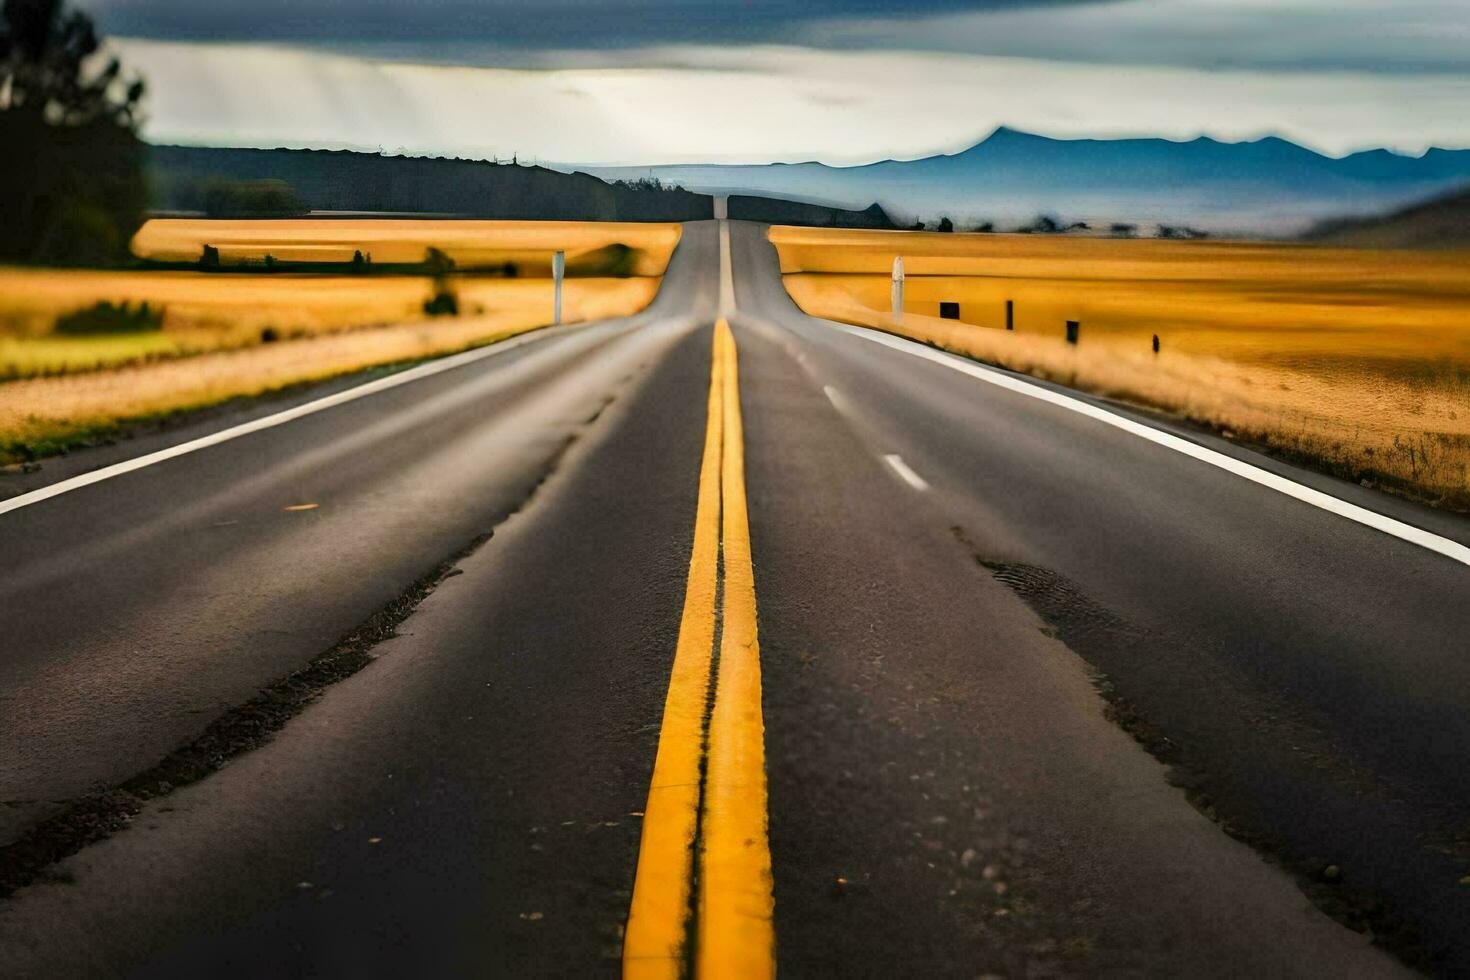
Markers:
point(71, 170)
point(1045, 224)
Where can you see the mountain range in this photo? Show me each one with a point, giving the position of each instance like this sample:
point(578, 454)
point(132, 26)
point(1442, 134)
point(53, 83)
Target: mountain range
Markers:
point(1266, 186)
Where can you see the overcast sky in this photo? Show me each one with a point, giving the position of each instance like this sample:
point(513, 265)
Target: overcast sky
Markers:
point(843, 81)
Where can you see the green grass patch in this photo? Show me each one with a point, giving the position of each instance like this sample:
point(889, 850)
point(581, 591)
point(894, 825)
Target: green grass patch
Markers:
point(30, 357)
point(104, 317)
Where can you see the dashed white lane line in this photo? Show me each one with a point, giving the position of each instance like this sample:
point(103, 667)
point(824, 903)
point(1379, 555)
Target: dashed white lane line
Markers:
point(1428, 540)
point(906, 472)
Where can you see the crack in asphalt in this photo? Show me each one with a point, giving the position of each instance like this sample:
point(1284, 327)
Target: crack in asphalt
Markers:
point(691, 931)
point(89, 819)
point(1082, 624)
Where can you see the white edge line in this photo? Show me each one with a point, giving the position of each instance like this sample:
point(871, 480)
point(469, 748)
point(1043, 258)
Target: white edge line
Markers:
point(904, 470)
point(268, 422)
point(1369, 518)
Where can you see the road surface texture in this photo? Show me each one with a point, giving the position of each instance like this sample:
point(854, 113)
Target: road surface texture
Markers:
point(1019, 672)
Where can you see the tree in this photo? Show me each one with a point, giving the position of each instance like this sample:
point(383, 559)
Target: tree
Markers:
point(71, 173)
point(1044, 224)
point(985, 227)
point(945, 224)
point(437, 264)
point(1122, 229)
point(223, 198)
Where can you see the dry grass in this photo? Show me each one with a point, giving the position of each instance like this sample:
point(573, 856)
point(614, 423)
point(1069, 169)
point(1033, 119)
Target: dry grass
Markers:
point(41, 415)
point(223, 311)
point(1357, 361)
point(528, 244)
point(213, 342)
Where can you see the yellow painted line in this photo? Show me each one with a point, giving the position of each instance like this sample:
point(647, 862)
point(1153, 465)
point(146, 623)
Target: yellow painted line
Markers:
point(732, 932)
point(736, 936)
point(655, 939)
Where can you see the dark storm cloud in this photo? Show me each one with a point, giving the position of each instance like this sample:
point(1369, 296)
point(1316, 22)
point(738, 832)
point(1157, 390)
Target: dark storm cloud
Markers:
point(607, 24)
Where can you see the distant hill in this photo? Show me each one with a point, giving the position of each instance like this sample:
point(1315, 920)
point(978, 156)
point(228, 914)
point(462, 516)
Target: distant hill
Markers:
point(776, 212)
point(1269, 185)
point(238, 182)
point(345, 181)
point(1442, 222)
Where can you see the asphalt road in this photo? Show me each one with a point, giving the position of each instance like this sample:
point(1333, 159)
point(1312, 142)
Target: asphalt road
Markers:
point(975, 611)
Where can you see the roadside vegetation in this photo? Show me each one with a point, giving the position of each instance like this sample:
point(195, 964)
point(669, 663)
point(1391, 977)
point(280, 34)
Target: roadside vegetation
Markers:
point(1048, 224)
point(104, 317)
point(197, 315)
point(47, 414)
point(85, 351)
point(1355, 362)
point(265, 282)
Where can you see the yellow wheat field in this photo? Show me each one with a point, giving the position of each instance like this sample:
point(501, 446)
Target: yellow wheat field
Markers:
point(220, 311)
point(1356, 360)
point(229, 334)
point(529, 244)
point(38, 414)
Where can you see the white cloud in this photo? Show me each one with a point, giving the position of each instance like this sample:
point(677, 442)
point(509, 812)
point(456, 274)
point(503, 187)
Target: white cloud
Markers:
point(763, 103)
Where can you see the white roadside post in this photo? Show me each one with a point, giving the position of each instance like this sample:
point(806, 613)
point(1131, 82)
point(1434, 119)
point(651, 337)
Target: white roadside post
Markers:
point(558, 272)
point(898, 289)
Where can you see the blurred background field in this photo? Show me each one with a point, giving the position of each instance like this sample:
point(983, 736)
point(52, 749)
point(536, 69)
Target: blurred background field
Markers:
point(500, 268)
point(82, 350)
point(219, 311)
point(1354, 360)
point(590, 245)
point(39, 416)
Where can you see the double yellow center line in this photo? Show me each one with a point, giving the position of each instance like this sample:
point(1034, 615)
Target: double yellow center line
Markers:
point(702, 896)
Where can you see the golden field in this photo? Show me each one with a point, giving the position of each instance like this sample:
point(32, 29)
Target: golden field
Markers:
point(222, 310)
point(213, 341)
point(528, 244)
point(1357, 361)
point(40, 415)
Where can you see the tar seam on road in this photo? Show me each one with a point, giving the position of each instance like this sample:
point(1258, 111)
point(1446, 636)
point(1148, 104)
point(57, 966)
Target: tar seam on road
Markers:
point(1453, 550)
point(654, 939)
point(244, 727)
point(268, 422)
point(727, 272)
point(733, 933)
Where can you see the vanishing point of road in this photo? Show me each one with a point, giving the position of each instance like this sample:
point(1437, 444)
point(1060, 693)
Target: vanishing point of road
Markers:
point(717, 641)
